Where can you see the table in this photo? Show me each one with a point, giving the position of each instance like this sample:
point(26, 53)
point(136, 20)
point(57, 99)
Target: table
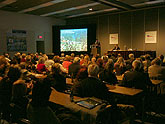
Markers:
point(124, 90)
point(88, 116)
point(136, 53)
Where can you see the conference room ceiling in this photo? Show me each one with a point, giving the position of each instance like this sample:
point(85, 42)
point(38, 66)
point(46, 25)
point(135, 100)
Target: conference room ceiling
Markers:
point(75, 8)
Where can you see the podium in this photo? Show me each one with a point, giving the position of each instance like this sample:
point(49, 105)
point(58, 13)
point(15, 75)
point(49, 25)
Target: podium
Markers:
point(95, 49)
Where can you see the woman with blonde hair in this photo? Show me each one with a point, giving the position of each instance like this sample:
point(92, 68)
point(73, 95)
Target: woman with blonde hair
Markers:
point(41, 66)
point(120, 66)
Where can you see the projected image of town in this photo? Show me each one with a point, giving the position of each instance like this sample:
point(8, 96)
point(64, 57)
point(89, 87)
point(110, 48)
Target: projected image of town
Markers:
point(73, 39)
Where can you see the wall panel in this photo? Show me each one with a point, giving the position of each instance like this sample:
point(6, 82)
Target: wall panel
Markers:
point(138, 30)
point(125, 30)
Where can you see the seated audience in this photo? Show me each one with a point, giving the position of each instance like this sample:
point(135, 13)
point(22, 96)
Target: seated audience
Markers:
point(129, 61)
point(6, 84)
point(38, 111)
point(100, 63)
point(156, 70)
point(86, 61)
point(58, 81)
point(48, 63)
point(162, 60)
point(41, 66)
point(74, 67)
point(66, 62)
point(108, 75)
point(19, 99)
point(91, 86)
point(82, 74)
point(136, 78)
point(56, 59)
point(120, 66)
point(146, 63)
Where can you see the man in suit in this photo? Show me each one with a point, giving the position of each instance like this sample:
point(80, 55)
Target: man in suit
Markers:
point(116, 47)
point(136, 78)
point(91, 86)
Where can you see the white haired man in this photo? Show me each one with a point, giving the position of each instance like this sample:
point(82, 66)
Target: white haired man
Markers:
point(136, 78)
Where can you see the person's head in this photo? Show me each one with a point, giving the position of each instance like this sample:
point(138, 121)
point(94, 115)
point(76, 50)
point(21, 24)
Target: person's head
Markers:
point(105, 59)
point(41, 92)
point(82, 74)
point(56, 68)
point(93, 60)
point(161, 57)
point(131, 56)
point(99, 62)
point(56, 59)
point(82, 56)
point(19, 89)
point(147, 57)
point(72, 55)
point(3, 64)
point(41, 60)
point(76, 60)
point(120, 60)
point(109, 66)
point(136, 65)
point(23, 55)
point(14, 73)
point(156, 61)
point(67, 58)
point(28, 58)
point(62, 54)
point(93, 70)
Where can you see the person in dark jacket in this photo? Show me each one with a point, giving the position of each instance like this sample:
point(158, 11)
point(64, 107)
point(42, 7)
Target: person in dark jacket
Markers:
point(74, 67)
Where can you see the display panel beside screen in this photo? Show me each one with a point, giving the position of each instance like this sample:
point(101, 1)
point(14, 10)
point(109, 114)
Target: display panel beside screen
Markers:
point(73, 39)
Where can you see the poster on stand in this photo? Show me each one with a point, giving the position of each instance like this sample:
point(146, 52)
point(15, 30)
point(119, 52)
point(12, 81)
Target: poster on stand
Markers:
point(150, 36)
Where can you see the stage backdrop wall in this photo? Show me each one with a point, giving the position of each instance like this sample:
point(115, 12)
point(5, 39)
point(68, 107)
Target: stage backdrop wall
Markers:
point(33, 25)
point(131, 27)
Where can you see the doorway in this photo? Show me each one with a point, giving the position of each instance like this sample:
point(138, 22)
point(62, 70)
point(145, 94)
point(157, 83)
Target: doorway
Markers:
point(40, 46)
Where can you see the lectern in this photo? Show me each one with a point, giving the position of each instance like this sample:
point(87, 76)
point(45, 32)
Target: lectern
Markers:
point(95, 49)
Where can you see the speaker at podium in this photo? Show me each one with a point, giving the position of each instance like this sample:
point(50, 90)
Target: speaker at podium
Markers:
point(95, 48)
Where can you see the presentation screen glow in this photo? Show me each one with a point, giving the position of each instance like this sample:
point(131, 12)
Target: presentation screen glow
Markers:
point(73, 39)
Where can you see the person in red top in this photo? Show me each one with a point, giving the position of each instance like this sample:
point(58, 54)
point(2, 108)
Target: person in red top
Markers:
point(41, 66)
point(66, 62)
point(23, 59)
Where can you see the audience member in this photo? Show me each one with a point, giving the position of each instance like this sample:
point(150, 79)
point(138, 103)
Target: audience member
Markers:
point(58, 81)
point(91, 86)
point(156, 70)
point(66, 62)
point(129, 62)
point(120, 66)
point(146, 63)
point(19, 99)
point(41, 66)
point(38, 111)
point(108, 75)
point(136, 78)
point(74, 67)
